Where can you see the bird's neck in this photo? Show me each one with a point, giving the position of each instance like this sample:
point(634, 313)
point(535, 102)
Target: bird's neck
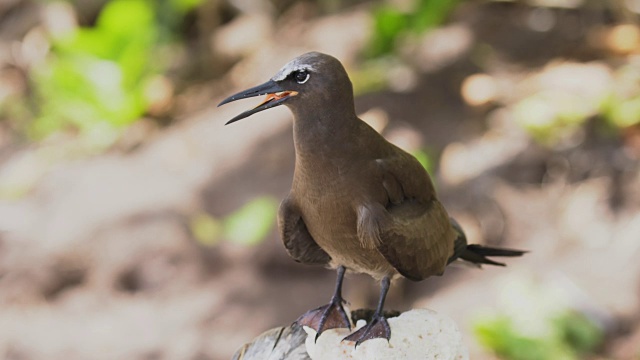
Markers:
point(322, 134)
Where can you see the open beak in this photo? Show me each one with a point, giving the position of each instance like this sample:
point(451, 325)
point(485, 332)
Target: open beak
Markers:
point(276, 95)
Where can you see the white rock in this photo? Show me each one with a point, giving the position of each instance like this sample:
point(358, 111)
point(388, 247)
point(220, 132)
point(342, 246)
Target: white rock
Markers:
point(416, 334)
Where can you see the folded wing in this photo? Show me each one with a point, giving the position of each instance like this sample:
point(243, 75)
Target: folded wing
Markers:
point(412, 229)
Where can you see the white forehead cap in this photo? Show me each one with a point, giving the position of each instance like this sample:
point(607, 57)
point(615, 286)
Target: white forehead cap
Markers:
point(296, 64)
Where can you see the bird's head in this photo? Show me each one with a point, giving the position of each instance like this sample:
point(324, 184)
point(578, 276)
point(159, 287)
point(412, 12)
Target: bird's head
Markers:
point(310, 80)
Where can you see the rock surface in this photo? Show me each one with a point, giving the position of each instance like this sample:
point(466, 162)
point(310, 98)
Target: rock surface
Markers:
point(416, 334)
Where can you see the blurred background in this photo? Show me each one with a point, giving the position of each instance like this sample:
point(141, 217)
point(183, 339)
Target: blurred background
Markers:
point(134, 225)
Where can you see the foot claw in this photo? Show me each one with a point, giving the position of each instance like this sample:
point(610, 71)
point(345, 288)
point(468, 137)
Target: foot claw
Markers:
point(326, 317)
point(377, 328)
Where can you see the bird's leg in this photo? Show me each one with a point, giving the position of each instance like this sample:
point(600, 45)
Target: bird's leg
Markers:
point(378, 327)
point(329, 316)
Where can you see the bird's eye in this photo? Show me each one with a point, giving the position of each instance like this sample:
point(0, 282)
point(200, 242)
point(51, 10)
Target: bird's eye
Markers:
point(301, 76)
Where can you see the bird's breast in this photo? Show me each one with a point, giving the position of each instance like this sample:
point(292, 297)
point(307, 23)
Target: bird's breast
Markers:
point(328, 201)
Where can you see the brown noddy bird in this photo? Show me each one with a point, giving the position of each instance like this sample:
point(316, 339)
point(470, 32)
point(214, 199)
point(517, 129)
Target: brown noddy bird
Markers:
point(357, 202)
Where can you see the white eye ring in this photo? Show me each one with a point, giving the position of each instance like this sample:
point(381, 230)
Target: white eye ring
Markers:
point(301, 76)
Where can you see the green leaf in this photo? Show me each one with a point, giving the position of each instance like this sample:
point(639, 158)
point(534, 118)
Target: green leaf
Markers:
point(622, 113)
point(251, 223)
point(579, 331)
point(96, 77)
point(431, 13)
point(498, 334)
point(127, 17)
point(570, 336)
point(388, 24)
point(185, 5)
point(205, 229)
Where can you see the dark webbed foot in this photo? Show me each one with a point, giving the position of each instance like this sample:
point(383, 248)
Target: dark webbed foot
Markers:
point(330, 316)
point(326, 317)
point(377, 328)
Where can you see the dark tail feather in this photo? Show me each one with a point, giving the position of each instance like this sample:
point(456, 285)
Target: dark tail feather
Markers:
point(478, 254)
point(491, 251)
point(475, 253)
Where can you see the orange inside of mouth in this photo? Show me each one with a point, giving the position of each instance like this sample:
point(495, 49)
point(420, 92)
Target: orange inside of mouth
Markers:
point(278, 96)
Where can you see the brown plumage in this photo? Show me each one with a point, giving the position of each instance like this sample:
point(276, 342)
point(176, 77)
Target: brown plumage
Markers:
point(357, 201)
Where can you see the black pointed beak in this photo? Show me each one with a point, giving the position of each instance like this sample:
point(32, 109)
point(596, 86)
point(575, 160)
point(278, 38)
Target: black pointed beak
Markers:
point(276, 95)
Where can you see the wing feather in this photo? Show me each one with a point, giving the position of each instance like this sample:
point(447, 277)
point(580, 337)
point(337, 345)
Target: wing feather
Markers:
point(412, 231)
point(296, 238)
